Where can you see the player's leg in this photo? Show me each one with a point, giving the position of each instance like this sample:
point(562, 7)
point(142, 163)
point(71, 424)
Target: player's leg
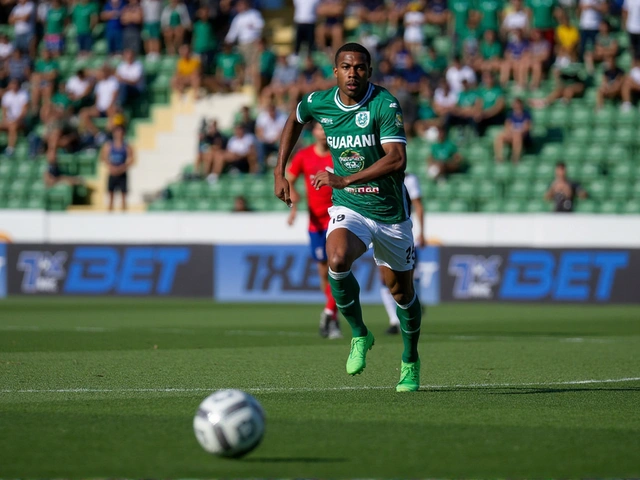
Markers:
point(394, 253)
point(390, 306)
point(348, 238)
point(317, 243)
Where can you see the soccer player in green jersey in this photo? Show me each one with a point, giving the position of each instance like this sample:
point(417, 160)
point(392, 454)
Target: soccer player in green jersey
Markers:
point(365, 133)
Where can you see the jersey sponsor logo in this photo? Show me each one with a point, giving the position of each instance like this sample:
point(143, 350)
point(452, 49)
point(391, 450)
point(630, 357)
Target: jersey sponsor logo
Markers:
point(352, 141)
point(362, 190)
point(310, 97)
point(399, 121)
point(352, 161)
point(362, 119)
point(326, 121)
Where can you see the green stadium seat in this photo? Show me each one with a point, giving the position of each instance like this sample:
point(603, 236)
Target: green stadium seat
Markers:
point(595, 153)
point(539, 188)
point(617, 153)
point(457, 206)
point(625, 135)
point(551, 152)
point(100, 47)
point(545, 171)
point(6, 169)
point(586, 206)
point(573, 152)
point(610, 207)
point(159, 206)
point(481, 170)
point(466, 189)
point(444, 190)
point(620, 190)
point(195, 190)
point(183, 205)
point(606, 116)
point(622, 170)
point(632, 207)
point(492, 206)
point(59, 197)
point(435, 206)
point(559, 116)
point(538, 206)
point(524, 170)
point(177, 189)
point(24, 169)
point(598, 189)
point(487, 191)
point(203, 205)
point(582, 116)
point(87, 162)
point(601, 135)
point(519, 189)
point(514, 206)
point(635, 190)
point(168, 65)
point(226, 204)
point(627, 118)
point(503, 171)
point(580, 134)
point(588, 172)
point(18, 189)
point(36, 203)
point(477, 153)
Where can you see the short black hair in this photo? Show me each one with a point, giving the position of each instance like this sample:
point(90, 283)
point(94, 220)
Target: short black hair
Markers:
point(561, 165)
point(353, 47)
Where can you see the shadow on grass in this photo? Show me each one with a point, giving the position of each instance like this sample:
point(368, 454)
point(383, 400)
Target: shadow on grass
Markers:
point(294, 460)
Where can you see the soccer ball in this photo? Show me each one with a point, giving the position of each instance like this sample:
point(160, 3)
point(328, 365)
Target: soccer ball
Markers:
point(229, 423)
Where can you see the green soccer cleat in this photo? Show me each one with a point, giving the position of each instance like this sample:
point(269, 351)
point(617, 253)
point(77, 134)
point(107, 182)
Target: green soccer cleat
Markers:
point(409, 377)
point(358, 355)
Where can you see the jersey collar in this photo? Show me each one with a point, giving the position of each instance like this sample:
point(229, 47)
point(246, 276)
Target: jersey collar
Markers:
point(351, 108)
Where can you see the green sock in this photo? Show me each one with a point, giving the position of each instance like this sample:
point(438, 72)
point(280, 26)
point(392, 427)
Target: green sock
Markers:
point(410, 317)
point(346, 292)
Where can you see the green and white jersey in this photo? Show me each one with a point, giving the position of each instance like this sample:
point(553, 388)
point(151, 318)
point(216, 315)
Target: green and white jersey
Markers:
point(355, 135)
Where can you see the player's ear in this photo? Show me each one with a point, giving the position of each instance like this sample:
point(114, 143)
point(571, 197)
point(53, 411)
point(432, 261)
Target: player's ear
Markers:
point(335, 72)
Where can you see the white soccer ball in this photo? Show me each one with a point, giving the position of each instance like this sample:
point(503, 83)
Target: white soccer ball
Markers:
point(229, 423)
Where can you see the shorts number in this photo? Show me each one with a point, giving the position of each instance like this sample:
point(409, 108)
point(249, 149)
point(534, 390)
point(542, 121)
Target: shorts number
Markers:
point(338, 218)
point(411, 253)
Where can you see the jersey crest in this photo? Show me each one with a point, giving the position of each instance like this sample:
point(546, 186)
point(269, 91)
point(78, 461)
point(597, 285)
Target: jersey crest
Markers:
point(362, 119)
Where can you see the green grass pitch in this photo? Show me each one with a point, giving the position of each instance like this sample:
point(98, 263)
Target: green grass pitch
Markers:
point(108, 388)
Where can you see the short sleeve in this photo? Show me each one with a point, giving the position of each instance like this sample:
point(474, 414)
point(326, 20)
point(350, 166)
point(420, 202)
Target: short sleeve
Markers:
point(391, 123)
point(295, 168)
point(304, 113)
point(413, 186)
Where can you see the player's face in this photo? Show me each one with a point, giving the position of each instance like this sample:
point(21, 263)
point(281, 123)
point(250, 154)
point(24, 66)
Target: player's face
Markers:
point(352, 73)
point(319, 135)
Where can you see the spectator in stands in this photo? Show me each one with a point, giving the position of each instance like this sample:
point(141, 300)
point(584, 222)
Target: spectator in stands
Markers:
point(591, 13)
point(204, 40)
point(372, 12)
point(563, 191)
point(59, 132)
point(517, 133)
point(22, 18)
point(467, 108)
point(569, 78)
point(105, 92)
point(460, 11)
point(132, 18)
point(118, 157)
point(267, 65)
point(330, 29)
point(631, 21)
point(542, 14)
point(239, 155)
point(438, 14)
point(15, 103)
point(413, 75)
point(434, 64)
point(246, 29)
point(492, 110)
point(188, 71)
point(229, 69)
point(444, 99)
point(84, 16)
point(605, 44)
point(53, 175)
point(468, 39)
point(111, 14)
point(516, 58)
point(175, 21)
point(283, 84)
point(630, 85)
point(538, 59)
point(269, 125)
point(130, 75)
point(79, 88)
point(490, 14)
point(211, 142)
point(246, 119)
point(567, 36)
point(427, 117)
point(6, 49)
point(305, 17)
point(457, 72)
point(444, 159)
point(610, 88)
point(19, 66)
point(414, 20)
point(151, 30)
point(310, 78)
point(517, 18)
point(54, 27)
point(240, 204)
point(44, 80)
point(490, 52)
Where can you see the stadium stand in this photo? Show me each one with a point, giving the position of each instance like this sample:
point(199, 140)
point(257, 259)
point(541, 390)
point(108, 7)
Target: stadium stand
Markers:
point(418, 46)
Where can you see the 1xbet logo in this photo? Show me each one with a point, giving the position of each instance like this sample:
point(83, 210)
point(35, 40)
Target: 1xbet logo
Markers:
point(42, 271)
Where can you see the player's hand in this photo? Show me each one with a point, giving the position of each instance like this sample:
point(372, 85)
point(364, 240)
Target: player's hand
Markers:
point(292, 215)
point(329, 179)
point(422, 241)
point(281, 190)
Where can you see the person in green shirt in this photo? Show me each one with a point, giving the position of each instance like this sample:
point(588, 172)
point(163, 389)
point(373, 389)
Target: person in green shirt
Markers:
point(203, 39)
point(490, 52)
point(606, 45)
point(427, 118)
point(43, 81)
point(54, 27)
point(570, 77)
point(267, 64)
point(433, 63)
point(444, 159)
point(84, 16)
point(229, 75)
point(460, 10)
point(467, 108)
point(174, 21)
point(542, 14)
point(489, 11)
point(492, 104)
point(468, 38)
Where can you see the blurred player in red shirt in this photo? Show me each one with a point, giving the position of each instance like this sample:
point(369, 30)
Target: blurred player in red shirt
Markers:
point(307, 162)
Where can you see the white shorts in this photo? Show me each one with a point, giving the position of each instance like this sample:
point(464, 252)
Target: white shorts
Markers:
point(393, 244)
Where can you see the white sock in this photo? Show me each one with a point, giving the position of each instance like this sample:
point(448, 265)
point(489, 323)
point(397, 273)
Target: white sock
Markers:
point(389, 305)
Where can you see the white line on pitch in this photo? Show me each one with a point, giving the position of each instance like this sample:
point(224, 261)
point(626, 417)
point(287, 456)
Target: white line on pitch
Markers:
point(320, 389)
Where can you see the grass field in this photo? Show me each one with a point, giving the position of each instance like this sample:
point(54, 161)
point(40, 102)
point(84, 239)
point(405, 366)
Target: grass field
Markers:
point(108, 388)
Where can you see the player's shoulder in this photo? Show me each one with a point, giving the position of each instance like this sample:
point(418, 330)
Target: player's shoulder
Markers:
point(319, 96)
point(384, 98)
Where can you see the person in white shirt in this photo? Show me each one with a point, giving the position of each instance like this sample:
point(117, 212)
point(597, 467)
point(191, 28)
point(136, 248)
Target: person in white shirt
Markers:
point(269, 125)
point(591, 12)
point(631, 22)
point(240, 154)
point(15, 104)
point(105, 91)
point(444, 98)
point(516, 19)
point(246, 29)
point(130, 75)
point(151, 13)
point(412, 185)
point(630, 86)
point(21, 18)
point(78, 88)
point(174, 21)
point(414, 20)
point(458, 72)
point(6, 48)
point(305, 17)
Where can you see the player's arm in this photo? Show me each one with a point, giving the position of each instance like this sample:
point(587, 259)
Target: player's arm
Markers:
point(418, 208)
point(294, 196)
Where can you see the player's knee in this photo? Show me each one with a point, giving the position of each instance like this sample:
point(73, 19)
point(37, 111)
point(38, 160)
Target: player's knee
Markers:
point(338, 261)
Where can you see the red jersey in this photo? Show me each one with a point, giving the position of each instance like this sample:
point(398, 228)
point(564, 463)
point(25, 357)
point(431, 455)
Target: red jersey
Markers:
point(307, 163)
